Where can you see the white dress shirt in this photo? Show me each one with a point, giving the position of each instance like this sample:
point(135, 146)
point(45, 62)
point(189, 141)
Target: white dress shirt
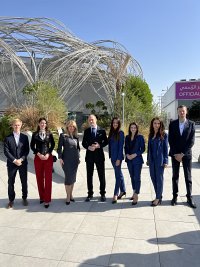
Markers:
point(16, 136)
point(181, 126)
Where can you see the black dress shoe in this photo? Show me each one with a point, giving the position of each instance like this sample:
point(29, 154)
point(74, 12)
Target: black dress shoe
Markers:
point(72, 199)
point(88, 198)
point(191, 203)
point(121, 195)
point(174, 201)
point(46, 206)
point(41, 201)
point(67, 203)
point(25, 202)
point(114, 201)
point(103, 199)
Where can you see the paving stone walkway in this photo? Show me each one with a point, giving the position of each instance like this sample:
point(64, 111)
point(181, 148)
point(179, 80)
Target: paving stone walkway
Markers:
point(100, 234)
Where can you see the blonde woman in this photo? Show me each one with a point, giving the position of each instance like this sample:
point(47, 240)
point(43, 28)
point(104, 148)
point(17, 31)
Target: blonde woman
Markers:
point(69, 154)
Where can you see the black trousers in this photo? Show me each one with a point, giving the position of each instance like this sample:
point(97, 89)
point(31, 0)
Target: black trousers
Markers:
point(101, 173)
point(12, 171)
point(187, 165)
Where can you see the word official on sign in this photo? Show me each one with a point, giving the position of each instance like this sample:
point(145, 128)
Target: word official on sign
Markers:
point(188, 90)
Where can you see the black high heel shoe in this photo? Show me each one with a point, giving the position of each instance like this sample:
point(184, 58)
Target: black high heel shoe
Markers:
point(121, 195)
point(134, 203)
point(114, 200)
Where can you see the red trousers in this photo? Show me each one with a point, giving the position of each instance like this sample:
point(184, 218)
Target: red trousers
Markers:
point(43, 171)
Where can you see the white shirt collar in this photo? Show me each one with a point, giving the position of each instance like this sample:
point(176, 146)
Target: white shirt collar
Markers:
point(182, 122)
point(16, 134)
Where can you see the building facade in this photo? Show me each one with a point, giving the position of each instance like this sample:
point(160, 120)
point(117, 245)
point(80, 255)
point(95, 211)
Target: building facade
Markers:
point(182, 92)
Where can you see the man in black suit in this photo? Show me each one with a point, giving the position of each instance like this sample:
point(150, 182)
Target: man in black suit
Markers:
point(16, 150)
point(181, 141)
point(94, 140)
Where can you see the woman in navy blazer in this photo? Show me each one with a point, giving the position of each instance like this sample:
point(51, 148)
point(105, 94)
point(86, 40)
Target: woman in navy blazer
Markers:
point(157, 156)
point(134, 147)
point(115, 145)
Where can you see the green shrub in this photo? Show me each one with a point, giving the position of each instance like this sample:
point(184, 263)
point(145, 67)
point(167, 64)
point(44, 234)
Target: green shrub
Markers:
point(5, 128)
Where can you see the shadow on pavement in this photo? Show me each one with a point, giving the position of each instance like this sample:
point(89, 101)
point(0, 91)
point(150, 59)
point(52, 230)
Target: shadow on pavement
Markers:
point(177, 250)
point(196, 165)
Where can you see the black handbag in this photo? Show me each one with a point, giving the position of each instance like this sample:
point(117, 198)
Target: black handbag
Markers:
point(54, 158)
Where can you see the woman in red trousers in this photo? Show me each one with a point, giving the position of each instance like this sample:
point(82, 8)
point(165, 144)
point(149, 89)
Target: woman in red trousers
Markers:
point(42, 144)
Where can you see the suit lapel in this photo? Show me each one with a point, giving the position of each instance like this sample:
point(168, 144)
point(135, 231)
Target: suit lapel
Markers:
point(20, 141)
point(177, 128)
point(13, 140)
point(97, 133)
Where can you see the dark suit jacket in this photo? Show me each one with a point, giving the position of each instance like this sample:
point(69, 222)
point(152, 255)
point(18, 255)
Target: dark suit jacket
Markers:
point(42, 146)
point(12, 151)
point(101, 138)
point(137, 146)
point(181, 144)
point(115, 147)
point(161, 156)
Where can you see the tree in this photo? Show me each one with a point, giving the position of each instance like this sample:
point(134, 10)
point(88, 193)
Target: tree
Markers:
point(194, 111)
point(141, 90)
point(100, 110)
point(42, 99)
point(137, 101)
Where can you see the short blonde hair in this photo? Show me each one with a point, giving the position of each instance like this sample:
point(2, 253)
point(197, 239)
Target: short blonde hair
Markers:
point(72, 123)
point(16, 120)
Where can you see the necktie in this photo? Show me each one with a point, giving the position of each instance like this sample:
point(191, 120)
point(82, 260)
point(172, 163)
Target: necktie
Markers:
point(93, 133)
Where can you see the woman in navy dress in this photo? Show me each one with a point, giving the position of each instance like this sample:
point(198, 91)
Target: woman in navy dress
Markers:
point(157, 156)
point(115, 145)
point(134, 147)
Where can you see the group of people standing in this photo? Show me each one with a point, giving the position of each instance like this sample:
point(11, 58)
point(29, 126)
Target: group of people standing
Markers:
point(181, 139)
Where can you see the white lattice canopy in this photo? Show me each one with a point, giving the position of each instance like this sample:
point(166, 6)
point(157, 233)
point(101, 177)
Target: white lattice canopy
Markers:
point(33, 49)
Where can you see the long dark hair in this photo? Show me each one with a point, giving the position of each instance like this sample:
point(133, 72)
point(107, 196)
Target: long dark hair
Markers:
point(42, 119)
point(114, 132)
point(161, 131)
point(129, 129)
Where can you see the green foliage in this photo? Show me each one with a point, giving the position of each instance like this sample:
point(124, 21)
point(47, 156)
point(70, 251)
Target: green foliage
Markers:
point(100, 110)
point(5, 128)
point(194, 111)
point(44, 99)
point(141, 91)
point(56, 138)
point(138, 99)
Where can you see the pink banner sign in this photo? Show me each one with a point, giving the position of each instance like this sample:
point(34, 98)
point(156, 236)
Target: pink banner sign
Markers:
point(188, 90)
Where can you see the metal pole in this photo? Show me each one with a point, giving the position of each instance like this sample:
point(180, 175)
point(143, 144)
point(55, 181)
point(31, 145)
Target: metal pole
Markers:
point(123, 94)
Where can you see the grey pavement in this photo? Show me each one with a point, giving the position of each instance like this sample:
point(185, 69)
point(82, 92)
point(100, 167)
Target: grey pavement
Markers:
point(100, 234)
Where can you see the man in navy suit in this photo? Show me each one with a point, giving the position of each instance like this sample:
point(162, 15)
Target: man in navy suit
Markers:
point(94, 140)
point(181, 141)
point(16, 150)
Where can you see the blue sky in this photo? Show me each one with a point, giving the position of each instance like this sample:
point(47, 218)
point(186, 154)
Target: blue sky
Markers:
point(162, 35)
